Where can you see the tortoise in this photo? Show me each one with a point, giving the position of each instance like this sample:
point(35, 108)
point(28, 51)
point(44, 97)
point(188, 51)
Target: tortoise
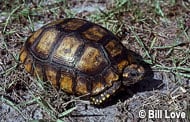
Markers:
point(80, 57)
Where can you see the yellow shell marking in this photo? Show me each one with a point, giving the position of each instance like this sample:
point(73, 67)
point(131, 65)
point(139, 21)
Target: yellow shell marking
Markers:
point(122, 64)
point(23, 55)
point(67, 50)
point(46, 42)
point(110, 76)
point(113, 48)
point(66, 83)
point(97, 87)
point(73, 24)
point(94, 33)
point(51, 76)
point(90, 60)
point(81, 87)
point(28, 63)
point(34, 36)
point(26, 59)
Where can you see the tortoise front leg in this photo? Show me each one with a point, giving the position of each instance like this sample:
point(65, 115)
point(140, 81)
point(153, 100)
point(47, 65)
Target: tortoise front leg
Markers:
point(102, 97)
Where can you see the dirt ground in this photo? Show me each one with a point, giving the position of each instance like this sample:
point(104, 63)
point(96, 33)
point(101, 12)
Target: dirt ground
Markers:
point(157, 30)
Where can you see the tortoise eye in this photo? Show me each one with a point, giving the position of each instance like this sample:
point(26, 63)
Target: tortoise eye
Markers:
point(133, 73)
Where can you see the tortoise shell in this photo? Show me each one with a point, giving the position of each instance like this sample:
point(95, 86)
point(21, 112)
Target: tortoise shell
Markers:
point(80, 57)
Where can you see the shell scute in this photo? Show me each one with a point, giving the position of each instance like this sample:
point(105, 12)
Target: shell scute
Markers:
point(66, 50)
point(91, 61)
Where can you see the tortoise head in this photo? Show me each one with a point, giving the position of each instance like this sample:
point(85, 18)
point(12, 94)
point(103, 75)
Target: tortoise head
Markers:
point(132, 74)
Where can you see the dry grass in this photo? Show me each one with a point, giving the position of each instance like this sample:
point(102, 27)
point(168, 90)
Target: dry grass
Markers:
point(157, 30)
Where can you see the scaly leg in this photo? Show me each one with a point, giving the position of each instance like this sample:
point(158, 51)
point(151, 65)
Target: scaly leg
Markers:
point(100, 98)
